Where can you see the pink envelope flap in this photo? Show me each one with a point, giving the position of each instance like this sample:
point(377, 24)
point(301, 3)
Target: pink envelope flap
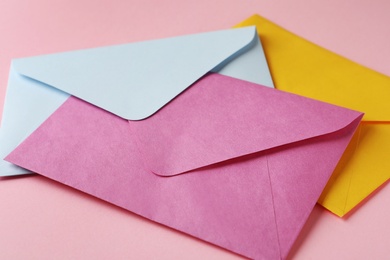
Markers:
point(216, 126)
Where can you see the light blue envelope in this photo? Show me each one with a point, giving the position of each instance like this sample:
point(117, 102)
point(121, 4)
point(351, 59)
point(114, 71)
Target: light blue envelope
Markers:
point(132, 81)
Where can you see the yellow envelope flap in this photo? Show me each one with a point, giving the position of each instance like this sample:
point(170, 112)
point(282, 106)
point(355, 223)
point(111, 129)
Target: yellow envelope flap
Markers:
point(303, 68)
point(363, 168)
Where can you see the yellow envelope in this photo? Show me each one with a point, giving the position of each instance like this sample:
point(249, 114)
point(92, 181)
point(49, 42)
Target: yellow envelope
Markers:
point(301, 67)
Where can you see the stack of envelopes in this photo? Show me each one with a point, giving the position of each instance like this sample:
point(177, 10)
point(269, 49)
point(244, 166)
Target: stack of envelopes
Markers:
point(190, 131)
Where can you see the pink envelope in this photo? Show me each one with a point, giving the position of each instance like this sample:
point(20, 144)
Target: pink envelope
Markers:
point(230, 162)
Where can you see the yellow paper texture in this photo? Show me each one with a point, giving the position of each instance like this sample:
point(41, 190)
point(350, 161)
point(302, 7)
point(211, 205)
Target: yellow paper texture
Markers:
point(301, 67)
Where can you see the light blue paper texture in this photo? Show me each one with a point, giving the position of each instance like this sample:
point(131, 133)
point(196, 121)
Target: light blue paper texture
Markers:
point(132, 80)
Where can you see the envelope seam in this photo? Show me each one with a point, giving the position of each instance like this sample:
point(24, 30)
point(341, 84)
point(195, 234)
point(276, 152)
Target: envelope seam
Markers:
point(350, 179)
point(266, 150)
point(273, 207)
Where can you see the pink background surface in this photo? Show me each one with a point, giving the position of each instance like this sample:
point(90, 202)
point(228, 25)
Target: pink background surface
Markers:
point(40, 219)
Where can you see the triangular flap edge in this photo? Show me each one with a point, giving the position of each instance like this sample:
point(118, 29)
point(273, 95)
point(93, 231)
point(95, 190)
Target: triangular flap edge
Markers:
point(136, 95)
point(242, 157)
point(233, 119)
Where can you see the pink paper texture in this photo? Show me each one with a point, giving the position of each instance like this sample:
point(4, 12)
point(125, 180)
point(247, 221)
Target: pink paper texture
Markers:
point(230, 119)
point(254, 205)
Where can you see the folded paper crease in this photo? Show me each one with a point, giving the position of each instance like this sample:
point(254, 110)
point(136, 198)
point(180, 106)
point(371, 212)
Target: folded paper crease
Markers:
point(191, 139)
point(113, 78)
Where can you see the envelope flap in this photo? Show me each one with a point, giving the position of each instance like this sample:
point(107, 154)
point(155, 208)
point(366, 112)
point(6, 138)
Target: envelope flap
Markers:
point(221, 118)
point(304, 68)
point(134, 80)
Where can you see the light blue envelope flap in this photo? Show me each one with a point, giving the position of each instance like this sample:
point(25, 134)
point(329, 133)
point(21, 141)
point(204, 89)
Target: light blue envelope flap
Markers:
point(135, 80)
point(29, 101)
point(250, 66)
